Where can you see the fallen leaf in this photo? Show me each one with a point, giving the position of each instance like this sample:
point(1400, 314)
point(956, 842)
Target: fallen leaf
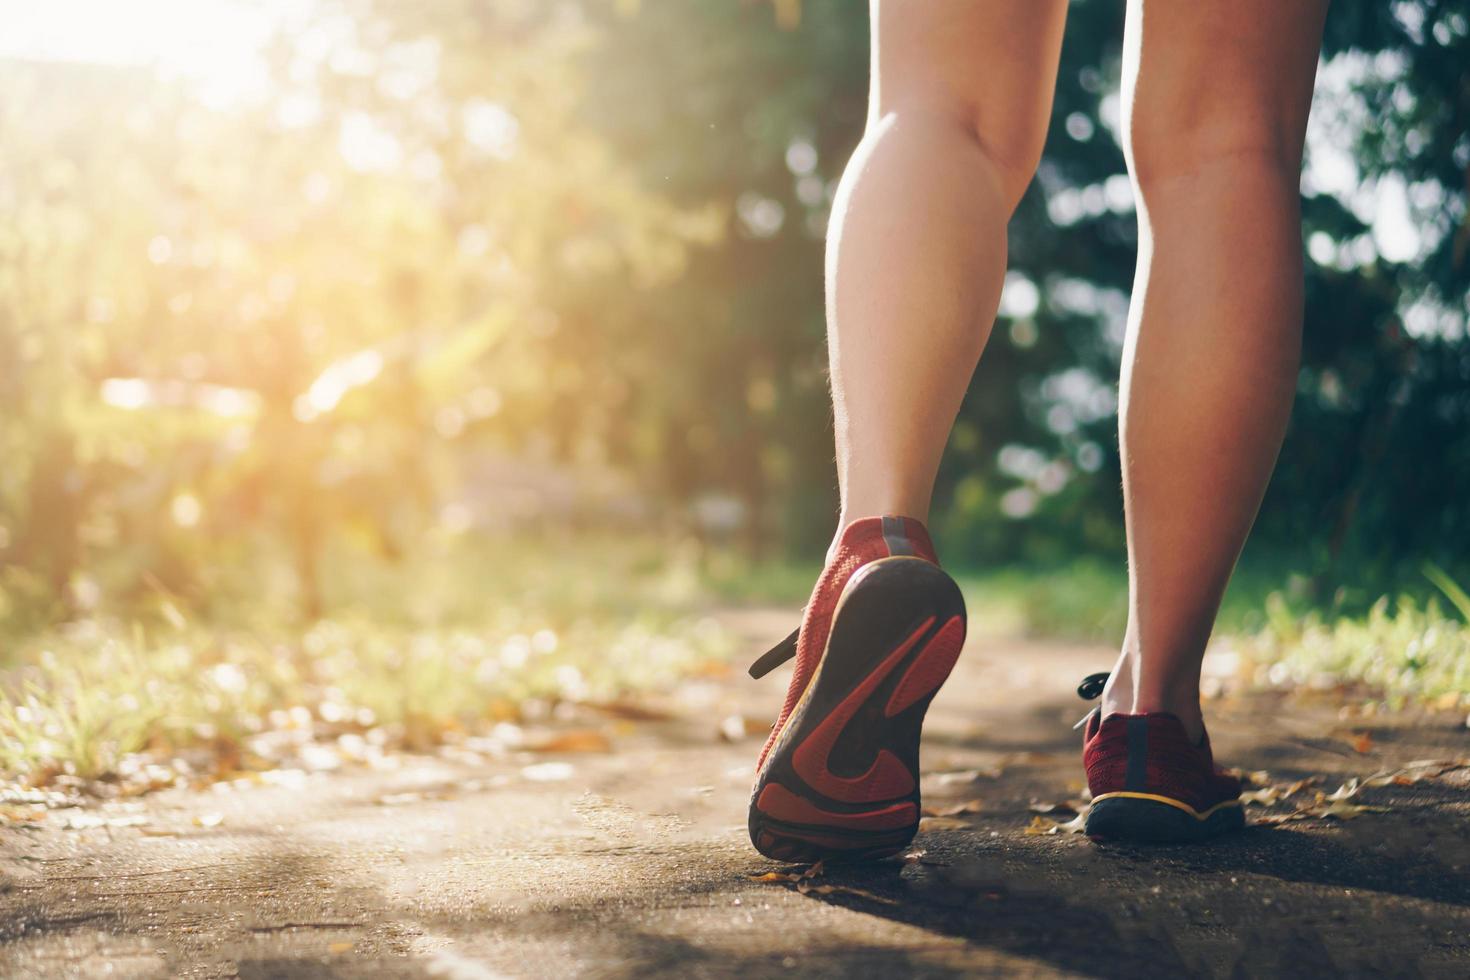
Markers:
point(917, 856)
point(86, 821)
point(577, 740)
point(807, 888)
point(209, 820)
point(961, 776)
point(1416, 771)
point(1271, 795)
point(1342, 810)
point(1448, 701)
point(1040, 825)
point(806, 884)
point(1327, 806)
point(1070, 808)
point(398, 799)
point(336, 948)
point(806, 874)
point(954, 810)
point(628, 710)
point(774, 876)
point(927, 824)
point(1272, 819)
point(1362, 742)
point(548, 772)
point(736, 727)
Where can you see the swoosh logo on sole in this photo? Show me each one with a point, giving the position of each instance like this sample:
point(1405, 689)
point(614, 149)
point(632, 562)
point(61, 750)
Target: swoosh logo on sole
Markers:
point(887, 778)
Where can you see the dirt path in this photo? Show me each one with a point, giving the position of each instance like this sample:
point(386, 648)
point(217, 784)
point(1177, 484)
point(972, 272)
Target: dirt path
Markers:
point(635, 862)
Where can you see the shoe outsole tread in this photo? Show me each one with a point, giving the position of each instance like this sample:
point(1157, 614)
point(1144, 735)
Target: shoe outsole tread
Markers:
point(900, 617)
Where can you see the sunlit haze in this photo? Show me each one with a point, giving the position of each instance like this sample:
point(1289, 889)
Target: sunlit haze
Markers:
point(216, 43)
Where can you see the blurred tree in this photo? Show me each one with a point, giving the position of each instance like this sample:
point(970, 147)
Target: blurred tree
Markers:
point(506, 234)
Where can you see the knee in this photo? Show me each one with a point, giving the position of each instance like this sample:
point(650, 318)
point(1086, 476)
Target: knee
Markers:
point(1013, 149)
point(1006, 147)
point(1237, 145)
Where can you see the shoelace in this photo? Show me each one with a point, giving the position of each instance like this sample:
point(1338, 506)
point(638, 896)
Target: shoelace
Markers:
point(1092, 686)
point(1091, 689)
point(776, 656)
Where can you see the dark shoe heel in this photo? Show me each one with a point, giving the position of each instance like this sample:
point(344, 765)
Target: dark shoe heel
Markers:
point(1124, 818)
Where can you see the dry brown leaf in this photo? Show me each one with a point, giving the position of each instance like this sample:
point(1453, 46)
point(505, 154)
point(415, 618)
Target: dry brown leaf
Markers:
point(548, 772)
point(576, 740)
point(1076, 825)
point(927, 824)
point(1040, 825)
point(1342, 810)
point(1333, 806)
point(771, 877)
point(628, 710)
point(1416, 771)
point(88, 821)
point(1271, 795)
point(962, 776)
point(1069, 808)
point(736, 727)
point(790, 877)
point(399, 799)
point(1362, 742)
point(807, 888)
point(1272, 819)
point(954, 810)
point(338, 948)
point(1448, 701)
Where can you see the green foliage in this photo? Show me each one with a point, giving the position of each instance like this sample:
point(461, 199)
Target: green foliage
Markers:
point(1401, 650)
point(475, 264)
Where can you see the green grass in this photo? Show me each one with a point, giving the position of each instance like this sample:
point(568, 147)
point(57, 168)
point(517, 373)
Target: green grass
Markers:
point(1409, 648)
point(1403, 651)
point(88, 697)
point(454, 640)
point(468, 633)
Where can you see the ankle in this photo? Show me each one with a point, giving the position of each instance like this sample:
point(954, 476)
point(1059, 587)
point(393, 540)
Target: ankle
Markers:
point(1185, 708)
point(1153, 695)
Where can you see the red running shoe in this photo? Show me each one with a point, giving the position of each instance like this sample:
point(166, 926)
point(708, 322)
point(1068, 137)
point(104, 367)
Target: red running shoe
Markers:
point(1150, 783)
point(838, 778)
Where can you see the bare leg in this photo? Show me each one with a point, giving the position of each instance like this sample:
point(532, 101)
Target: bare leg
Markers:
point(916, 251)
point(1217, 94)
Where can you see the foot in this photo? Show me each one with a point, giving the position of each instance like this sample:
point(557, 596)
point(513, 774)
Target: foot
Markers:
point(838, 779)
point(1151, 783)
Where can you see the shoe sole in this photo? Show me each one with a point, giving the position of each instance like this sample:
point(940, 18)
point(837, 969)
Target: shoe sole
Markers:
point(842, 781)
point(1154, 821)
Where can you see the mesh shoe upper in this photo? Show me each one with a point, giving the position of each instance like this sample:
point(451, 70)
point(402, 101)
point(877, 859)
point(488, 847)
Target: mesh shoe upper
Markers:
point(1152, 754)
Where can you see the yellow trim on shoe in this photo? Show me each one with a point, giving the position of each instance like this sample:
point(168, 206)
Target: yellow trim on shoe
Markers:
point(1177, 804)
